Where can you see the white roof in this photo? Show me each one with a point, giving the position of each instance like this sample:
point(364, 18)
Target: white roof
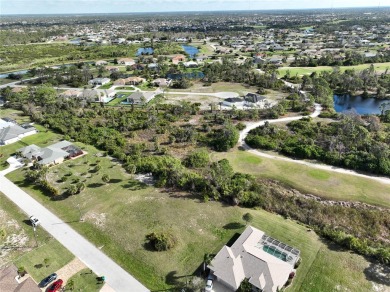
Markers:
point(246, 258)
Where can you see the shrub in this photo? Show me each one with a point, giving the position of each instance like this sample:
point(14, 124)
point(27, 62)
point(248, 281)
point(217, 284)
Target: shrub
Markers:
point(197, 159)
point(161, 241)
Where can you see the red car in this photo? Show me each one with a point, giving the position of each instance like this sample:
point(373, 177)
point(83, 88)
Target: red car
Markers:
point(55, 286)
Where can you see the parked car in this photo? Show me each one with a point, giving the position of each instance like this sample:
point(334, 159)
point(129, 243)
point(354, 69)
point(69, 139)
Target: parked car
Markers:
point(55, 286)
point(34, 221)
point(209, 286)
point(48, 280)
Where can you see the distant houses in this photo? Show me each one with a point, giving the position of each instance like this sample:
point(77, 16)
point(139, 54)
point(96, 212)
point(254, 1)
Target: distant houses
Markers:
point(99, 81)
point(11, 132)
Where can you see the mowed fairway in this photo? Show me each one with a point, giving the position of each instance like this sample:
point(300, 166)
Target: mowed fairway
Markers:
point(323, 183)
point(379, 67)
point(118, 215)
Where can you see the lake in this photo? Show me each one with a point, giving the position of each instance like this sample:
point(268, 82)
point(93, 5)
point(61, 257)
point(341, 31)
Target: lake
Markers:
point(363, 106)
point(145, 51)
point(192, 75)
point(190, 50)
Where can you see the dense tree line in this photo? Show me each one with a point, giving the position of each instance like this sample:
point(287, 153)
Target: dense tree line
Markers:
point(350, 142)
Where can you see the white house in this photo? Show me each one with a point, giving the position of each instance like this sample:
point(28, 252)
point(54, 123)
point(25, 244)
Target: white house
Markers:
point(266, 262)
point(234, 101)
point(140, 97)
point(99, 81)
point(11, 133)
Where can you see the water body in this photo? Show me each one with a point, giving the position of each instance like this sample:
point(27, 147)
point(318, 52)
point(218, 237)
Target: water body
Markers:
point(363, 106)
point(76, 41)
point(192, 75)
point(145, 51)
point(190, 50)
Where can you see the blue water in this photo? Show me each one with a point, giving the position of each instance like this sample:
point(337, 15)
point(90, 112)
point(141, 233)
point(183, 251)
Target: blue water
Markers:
point(363, 106)
point(190, 50)
point(193, 75)
point(145, 51)
point(75, 41)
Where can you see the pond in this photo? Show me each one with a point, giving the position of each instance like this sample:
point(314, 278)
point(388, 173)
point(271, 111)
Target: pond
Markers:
point(145, 51)
point(192, 75)
point(190, 50)
point(363, 106)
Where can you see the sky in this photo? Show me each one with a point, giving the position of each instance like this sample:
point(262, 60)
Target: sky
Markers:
point(115, 6)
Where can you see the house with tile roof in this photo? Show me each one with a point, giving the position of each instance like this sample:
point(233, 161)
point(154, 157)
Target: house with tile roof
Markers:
point(11, 282)
point(266, 262)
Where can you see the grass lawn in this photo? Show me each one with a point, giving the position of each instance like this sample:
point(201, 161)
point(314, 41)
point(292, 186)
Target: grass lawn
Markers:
point(379, 67)
point(85, 281)
point(14, 222)
point(119, 214)
point(106, 86)
point(42, 139)
point(323, 183)
point(14, 114)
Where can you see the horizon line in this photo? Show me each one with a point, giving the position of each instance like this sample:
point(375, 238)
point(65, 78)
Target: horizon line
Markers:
point(198, 11)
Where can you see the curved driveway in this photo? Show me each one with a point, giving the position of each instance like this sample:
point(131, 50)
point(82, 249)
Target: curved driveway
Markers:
point(251, 126)
point(116, 277)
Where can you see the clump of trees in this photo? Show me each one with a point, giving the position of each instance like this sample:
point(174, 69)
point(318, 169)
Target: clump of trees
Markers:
point(162, 241)
point(351, 142)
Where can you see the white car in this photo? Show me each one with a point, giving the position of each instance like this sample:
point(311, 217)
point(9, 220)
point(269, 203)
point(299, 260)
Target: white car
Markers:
point(209, 286)
point(34, 221)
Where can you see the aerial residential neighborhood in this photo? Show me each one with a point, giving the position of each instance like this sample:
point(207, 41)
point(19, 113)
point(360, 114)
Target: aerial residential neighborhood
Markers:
point(209, 146)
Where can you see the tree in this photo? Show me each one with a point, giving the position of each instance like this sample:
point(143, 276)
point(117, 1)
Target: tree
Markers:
point(46, 261)
point(207, 258)
point(245, 286)
point(247, 217)
point(70, 285)
point(106, 178)
point(80, 187)
point(161, 241)
point(72, 189)
point(21, 271)
point(225, 138)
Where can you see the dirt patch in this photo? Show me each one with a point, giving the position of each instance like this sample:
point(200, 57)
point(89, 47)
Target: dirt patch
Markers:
point(97, 219)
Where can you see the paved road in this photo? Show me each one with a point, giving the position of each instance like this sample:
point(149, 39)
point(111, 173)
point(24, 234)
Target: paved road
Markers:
point(91, 256)
point(316, 113)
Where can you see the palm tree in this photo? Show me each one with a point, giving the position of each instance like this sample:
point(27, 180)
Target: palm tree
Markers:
point(207, 258)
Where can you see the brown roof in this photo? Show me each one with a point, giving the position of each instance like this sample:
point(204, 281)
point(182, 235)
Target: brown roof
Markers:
point(8, 282)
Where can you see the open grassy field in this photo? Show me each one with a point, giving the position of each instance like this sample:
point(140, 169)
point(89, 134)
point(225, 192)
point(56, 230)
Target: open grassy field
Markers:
point(379, 67)
point(119, 214)
point(18, 244)
point(318, 182)
point(42, 138)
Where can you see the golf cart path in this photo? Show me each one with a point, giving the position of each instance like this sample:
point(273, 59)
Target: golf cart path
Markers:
point(252, 125)
point(90, 255)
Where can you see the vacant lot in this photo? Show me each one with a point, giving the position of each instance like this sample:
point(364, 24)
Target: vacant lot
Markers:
point(323, 183)
point(119, 214)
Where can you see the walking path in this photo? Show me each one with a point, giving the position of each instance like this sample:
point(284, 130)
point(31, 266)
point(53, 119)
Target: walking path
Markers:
point(251, 126)
point(116, 277)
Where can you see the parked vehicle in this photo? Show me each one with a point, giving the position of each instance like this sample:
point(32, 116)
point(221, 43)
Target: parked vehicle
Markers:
point(209, 286)
point(55, 286)
point(48, 280)
point(34, 221)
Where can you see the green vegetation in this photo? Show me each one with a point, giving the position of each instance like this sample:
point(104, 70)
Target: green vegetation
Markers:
point(133, 210)
point(300, 71)
point(43, 138)
point(39, 261)
point(350, 142)
point(37, 55)
point(308, 180)
point(85, 281)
